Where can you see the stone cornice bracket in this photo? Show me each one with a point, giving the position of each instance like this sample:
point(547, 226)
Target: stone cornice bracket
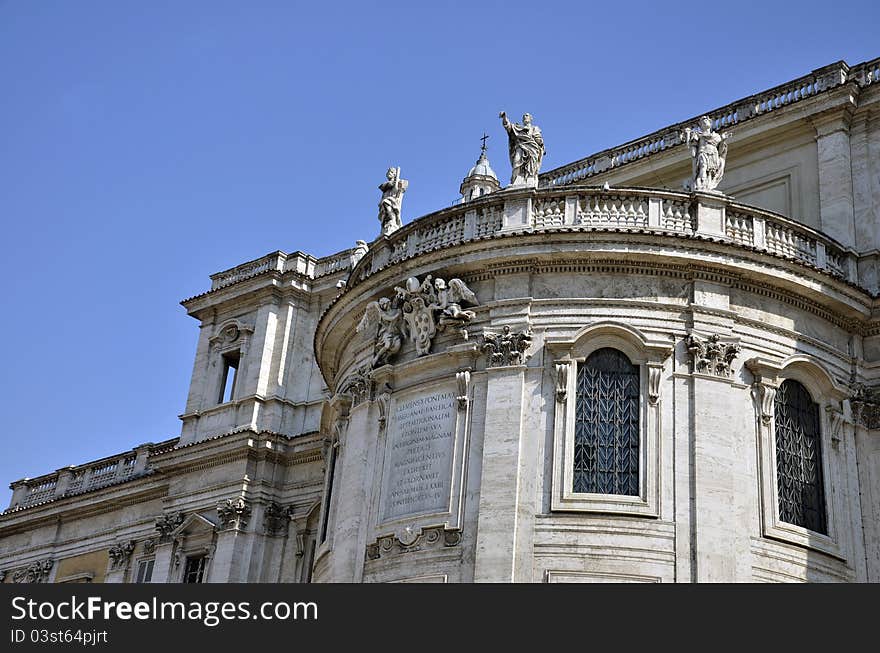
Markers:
point(506, 348)
point(167, 524)
point(36, 572)
point(865, 404)
point(764, 387)
point(835, 424)
point(655, 372)
point(712, 355)
point(463, 379)
point(234, 513)
point(120, 553)
point(383, 399)
point(561, 368)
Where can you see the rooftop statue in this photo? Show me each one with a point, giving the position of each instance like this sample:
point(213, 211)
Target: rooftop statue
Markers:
point(526, 145)
point(709, 151)
point(392, 197)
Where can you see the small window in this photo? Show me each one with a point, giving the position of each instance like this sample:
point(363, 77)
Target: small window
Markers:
point(606, 428)
point(144, 571)
point(194, 570)
point(230, 374)
point(325, 509)
point(799, 458)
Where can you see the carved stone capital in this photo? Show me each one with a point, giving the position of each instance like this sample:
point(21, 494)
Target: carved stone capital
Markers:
point(120, 553)
point(711, 355)
point(149, 546)
point(764, 396)
point(275, 518)
point(234, 513)
point(506, 348)
point(358, 386)
point(167, 523)
point(413, 539)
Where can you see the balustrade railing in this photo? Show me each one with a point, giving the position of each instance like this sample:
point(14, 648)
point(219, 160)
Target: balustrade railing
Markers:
point(573, 209)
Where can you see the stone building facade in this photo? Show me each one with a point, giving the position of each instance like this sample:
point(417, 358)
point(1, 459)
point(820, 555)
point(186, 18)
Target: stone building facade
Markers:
point(598, 378)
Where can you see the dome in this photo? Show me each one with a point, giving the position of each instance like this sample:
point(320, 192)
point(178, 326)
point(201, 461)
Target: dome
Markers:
point(482, 168)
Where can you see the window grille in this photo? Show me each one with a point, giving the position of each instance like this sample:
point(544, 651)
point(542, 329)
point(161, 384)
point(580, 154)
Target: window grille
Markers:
point(799, 458)
point(606, 437)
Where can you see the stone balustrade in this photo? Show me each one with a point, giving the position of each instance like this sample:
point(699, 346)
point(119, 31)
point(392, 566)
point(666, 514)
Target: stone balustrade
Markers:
point(83, 478)
point(727, 116)
point(697, 215)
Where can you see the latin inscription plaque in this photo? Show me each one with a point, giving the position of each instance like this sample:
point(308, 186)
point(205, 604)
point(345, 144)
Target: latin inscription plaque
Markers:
point(418, 461)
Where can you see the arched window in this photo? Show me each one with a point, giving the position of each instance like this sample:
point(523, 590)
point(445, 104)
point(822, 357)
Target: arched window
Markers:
point(799, 458)
point(606, 425)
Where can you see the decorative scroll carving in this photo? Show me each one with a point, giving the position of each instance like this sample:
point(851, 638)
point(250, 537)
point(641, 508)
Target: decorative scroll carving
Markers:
point(167, 523)
point(382, 401)
point(562, 380)
point(764, 396)
point(709, 153)
point(36, 572)
point(275, 518)
point(229, 334)
point(234, 513)
point(506, 348)
point(654, 373)
point(711, 356)
point(417, 312)
point(412, 539)
point(463, 379)
point(359, 386)
point(866, 406)
point(120, 553)
point(392, 199)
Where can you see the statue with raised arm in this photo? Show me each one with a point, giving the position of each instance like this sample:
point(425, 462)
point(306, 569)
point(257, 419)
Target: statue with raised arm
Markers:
point(526, 144)
point(392, 197)
point(709, 152)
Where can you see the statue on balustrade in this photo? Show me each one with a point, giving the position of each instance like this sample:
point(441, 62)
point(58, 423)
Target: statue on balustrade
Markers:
point(392, 198)
point(526, 144)
point(709, 152)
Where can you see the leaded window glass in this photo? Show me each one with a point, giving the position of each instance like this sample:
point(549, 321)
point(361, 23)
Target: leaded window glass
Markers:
point(799, 458)
point(606, 427)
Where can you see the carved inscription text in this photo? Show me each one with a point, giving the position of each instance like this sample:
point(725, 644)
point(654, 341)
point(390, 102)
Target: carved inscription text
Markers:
point(418, 471)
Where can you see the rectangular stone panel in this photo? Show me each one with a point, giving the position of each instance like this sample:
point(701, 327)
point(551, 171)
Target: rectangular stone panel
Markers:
point(417, 478)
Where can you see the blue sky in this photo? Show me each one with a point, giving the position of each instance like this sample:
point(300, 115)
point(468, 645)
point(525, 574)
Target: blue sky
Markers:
point(147, 145)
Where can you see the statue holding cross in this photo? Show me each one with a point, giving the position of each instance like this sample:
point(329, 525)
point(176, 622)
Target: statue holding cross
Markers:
point(392, 198)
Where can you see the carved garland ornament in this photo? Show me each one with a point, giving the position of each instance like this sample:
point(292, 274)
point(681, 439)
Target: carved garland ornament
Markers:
point(506, 348)
point(711, 356)
point(416, 312)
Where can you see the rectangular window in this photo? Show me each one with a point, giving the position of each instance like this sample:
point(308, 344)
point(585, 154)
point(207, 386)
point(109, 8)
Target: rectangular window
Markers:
point(230, 374)
point(326, 507)
point(144, 571)
point(194, 570)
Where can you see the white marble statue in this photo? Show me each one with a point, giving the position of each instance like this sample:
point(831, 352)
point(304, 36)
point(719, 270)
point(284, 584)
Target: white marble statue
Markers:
point(386, 320)
point(709, 151)
point(392, 198)
point(526, 144)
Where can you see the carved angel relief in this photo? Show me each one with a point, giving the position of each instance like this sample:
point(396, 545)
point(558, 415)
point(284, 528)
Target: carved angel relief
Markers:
point(416, 312)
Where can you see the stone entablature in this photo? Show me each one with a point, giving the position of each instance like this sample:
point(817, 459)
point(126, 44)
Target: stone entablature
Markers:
point(735, 113)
